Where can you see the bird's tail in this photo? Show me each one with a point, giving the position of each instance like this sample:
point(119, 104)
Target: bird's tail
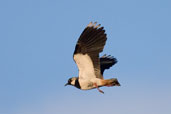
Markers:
point(111, 82)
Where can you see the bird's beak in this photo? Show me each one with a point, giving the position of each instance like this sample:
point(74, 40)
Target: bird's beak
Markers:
point(66, 84)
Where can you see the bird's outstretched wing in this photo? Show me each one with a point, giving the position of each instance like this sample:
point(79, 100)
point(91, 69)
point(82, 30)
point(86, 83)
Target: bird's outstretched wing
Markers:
point(107, 61)
point(86, 55)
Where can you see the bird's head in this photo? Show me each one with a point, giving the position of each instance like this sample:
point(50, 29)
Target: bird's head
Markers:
point(71, 81)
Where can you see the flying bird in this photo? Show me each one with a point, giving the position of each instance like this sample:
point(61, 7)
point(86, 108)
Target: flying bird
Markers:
point(91, 67)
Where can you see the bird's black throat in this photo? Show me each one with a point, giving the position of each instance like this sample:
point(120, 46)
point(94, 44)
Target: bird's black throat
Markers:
point(77, 84)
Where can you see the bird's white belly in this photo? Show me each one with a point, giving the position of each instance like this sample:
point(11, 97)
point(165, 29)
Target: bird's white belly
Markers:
point(86, 84)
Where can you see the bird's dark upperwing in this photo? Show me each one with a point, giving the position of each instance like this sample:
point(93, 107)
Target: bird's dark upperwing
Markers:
point(87, 49)
point(107, 61)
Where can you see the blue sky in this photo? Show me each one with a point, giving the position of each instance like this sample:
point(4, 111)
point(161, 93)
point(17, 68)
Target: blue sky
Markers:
point(37, 40)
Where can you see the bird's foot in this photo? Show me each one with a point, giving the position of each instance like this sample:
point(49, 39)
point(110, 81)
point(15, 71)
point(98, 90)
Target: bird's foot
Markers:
point(98, 88)
point(100, 91)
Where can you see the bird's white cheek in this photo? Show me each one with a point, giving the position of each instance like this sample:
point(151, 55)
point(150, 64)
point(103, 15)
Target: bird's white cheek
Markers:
point(73, 82)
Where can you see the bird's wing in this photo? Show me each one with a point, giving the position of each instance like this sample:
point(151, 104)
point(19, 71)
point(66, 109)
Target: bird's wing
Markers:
point(87, 49)
point(106, 62)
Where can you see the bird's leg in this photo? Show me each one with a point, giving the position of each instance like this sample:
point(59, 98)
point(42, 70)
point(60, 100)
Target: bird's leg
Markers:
point(98, 88)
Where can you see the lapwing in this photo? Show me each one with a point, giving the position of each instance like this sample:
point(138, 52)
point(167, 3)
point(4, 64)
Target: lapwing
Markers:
point(91, 67)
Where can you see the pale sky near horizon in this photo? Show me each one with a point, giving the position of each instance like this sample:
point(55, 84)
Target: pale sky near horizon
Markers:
point(37, 40)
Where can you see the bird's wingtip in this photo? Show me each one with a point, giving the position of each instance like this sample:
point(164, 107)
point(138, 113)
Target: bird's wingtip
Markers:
point(94, 25)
